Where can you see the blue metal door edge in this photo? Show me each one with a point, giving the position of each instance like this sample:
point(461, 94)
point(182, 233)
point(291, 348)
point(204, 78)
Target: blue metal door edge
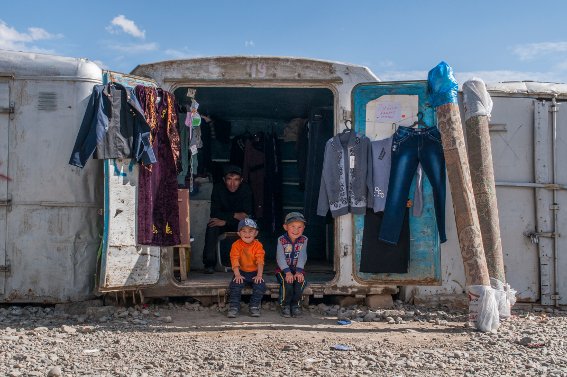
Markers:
point(425, 253)
point(105, 227)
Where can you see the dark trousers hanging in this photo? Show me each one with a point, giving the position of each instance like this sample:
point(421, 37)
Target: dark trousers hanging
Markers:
point(380, 257)
point(320, 130)
point(409, 148)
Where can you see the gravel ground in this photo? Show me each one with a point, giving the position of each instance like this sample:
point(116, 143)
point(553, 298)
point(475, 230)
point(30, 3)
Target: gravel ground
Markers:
point(188, 339)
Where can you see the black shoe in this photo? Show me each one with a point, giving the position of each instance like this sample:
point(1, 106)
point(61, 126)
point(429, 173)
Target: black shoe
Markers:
point(285, 312)
point(254, 312)
point(296, 311)
point(209, 270)
point(232, 313)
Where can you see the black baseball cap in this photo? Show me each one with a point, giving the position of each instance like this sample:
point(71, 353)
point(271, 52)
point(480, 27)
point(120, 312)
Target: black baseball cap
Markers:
point(294, 216)
point(231, 169)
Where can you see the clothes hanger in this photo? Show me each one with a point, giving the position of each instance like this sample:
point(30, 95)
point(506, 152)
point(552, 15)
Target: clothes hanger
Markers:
point(347, 128)
point(419, 121)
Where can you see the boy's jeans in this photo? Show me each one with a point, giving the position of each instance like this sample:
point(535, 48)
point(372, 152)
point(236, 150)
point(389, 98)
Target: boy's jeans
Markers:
point(410, 147)
point(290, 294)
point(235, 291)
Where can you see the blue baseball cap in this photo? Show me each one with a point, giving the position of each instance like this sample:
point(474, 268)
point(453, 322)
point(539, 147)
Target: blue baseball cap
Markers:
point(247, 222)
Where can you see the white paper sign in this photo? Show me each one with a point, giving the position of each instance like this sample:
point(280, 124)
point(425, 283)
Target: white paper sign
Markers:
point(383, 111)
point(388, 112)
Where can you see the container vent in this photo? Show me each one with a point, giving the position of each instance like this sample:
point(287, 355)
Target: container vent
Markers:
point(47, 101)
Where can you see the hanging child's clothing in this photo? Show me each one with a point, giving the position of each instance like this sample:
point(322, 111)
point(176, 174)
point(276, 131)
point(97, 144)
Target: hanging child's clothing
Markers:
point(347, 175)
point(381, 166)
point(254, 171)
point(114, 126)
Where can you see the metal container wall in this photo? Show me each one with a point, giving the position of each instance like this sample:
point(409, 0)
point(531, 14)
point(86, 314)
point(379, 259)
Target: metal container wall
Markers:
point(52, 223)
point(521, 141)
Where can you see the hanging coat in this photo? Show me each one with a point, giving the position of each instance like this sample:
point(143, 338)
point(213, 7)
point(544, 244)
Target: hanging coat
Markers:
point(158, 209)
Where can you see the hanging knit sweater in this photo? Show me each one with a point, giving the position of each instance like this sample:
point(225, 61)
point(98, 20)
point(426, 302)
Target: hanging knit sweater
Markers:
point(347, 175)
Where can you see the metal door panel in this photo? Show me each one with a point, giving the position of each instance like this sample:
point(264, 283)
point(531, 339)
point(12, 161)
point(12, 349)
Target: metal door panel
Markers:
point(124, 263)
point(425, 255)
point(543, 199)
point(5, 113)
point(561, 226)
point(512, 142)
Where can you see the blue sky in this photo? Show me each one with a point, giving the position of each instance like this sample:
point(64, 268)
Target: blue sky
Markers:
point(397, 40)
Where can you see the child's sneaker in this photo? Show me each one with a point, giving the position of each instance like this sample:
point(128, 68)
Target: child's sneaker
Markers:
point(285, 312)
point(232, 313)
point(254, 312)
point(296, 311)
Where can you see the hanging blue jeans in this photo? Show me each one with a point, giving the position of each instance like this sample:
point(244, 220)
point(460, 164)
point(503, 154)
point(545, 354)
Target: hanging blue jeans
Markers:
point(410, 147)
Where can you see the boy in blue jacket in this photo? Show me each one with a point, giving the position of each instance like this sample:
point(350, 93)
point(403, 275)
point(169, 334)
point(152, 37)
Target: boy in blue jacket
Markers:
point(291, 255)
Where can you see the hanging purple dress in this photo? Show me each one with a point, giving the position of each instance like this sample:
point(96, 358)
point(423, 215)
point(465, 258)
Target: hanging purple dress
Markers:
point(158, 209)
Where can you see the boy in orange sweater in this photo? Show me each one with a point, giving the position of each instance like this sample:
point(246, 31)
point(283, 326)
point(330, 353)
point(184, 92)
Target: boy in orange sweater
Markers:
point(247, 260)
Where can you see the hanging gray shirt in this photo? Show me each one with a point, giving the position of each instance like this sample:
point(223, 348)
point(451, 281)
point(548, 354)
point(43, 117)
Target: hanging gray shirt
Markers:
point(381, 163)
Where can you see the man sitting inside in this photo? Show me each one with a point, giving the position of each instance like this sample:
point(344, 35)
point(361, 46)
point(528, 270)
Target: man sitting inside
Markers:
point(231, 202)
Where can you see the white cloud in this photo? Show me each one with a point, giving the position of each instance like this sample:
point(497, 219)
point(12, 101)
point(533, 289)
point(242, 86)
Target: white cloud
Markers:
point(127, 26)
point(11, 39)
point(533, 50)
point(249, 43)
point(135, 48)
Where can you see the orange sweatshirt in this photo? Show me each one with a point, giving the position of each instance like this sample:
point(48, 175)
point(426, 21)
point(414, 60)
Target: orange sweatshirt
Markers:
point(247, 256)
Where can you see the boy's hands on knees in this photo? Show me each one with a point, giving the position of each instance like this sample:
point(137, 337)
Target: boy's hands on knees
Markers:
point(299, 277)
point(239, 279)
point(289, 277)
point(258, 279)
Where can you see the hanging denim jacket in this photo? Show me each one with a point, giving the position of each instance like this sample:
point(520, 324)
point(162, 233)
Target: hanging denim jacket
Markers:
point(114, 125)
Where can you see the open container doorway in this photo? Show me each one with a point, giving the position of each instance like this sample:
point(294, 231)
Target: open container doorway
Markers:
point(290, 124)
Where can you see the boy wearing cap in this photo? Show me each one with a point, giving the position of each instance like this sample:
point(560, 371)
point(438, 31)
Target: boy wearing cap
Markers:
point(291, 255)
point(247, 260)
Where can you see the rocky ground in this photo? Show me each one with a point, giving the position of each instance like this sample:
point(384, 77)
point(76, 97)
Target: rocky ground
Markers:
point(187, 339)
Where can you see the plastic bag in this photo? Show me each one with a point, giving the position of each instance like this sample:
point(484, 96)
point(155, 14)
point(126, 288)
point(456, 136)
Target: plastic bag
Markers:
point(505, 297)
point(441, 85)
point(477, 101)
point(341, 347)
point(483, 308)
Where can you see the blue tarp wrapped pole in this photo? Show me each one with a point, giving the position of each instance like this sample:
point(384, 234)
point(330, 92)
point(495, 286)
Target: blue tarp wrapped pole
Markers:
point(443, 90)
